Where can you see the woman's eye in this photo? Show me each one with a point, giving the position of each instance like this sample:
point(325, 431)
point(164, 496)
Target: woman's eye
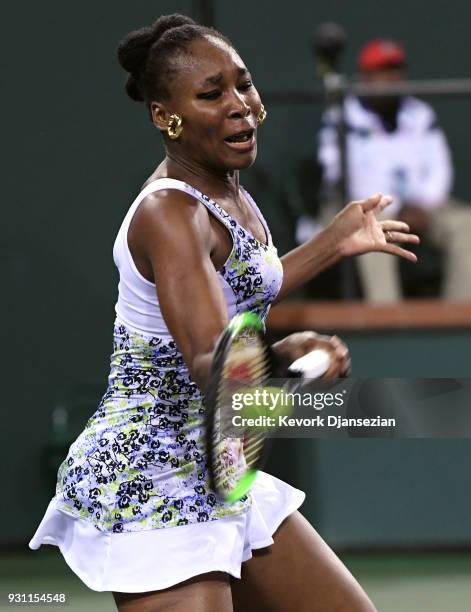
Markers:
point(216, 93)
point(210, 95)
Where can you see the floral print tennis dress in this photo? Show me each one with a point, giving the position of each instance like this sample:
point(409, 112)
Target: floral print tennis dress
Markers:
point(139, 466)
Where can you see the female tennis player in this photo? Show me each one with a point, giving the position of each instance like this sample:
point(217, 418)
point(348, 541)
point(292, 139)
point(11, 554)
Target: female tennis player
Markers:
point(133, 512)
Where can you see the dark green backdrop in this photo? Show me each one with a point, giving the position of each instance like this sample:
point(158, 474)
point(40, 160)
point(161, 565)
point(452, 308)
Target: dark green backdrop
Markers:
point(76, 151)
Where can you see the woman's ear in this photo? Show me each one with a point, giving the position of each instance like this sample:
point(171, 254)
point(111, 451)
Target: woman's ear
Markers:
point(159, 116)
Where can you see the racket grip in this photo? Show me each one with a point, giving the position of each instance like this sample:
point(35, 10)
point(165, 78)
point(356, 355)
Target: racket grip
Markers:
point(312, 365)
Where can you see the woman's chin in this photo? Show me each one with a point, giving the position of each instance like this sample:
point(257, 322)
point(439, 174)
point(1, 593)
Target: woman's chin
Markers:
point(244, 161)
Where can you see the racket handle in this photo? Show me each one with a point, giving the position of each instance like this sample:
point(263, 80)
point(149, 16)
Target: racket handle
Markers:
point(312, 365)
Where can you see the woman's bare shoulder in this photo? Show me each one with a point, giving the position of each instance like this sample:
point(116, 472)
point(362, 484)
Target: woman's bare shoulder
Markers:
point(167, 212)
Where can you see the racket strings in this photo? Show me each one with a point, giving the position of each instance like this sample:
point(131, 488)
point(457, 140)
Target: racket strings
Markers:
point(252, 452)
point(247, 364)
point(242, 363)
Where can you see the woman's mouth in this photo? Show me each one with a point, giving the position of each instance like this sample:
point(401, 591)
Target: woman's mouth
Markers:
point(241, 141)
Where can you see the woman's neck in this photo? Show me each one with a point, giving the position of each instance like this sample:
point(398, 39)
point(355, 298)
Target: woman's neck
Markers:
point(206, 180)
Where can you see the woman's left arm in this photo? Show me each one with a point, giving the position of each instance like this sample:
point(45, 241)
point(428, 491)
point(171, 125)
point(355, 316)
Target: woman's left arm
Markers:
point(354, 231)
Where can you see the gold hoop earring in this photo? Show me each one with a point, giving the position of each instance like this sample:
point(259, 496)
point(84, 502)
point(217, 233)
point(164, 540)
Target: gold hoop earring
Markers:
point(174, 126)
point(262, 116)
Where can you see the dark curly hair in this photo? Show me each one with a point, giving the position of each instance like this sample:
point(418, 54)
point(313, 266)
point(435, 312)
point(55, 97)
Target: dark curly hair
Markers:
point(149, 55)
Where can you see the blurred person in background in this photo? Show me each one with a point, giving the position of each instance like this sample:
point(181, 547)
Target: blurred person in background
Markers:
point(395, 145)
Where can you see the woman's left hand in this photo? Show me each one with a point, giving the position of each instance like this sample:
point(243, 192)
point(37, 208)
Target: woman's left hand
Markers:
point(298, 344)
point(357, 230)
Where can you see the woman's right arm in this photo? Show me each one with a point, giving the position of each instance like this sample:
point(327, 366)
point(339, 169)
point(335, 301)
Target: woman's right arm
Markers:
point(174, 234)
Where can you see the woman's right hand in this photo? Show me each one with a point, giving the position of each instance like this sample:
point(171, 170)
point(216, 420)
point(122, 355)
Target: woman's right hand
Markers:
point(299, 344)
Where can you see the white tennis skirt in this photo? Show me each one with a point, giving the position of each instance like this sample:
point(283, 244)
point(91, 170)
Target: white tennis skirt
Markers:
point(136, 562)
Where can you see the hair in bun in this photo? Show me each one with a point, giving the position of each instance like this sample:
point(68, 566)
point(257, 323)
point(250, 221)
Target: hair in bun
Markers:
point(148, 54)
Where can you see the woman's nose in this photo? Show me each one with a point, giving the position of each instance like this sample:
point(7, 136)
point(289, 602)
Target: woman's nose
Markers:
point(239, 108)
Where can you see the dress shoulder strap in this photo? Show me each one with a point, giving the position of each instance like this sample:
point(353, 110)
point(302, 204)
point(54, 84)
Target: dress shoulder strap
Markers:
point(169, 183)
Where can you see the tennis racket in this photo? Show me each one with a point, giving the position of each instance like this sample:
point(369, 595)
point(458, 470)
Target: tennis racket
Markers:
point(243, 358)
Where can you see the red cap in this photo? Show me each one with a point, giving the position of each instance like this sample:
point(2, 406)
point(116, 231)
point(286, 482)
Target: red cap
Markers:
point(380, 53)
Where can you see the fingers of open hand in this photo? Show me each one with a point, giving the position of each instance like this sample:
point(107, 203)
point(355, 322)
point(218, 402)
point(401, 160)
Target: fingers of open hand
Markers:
point(401, 237)
point(394, 225)
point(394, 249)
point(376, 202)
point(398, 231)
point(370, 203)
point(384, 201)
